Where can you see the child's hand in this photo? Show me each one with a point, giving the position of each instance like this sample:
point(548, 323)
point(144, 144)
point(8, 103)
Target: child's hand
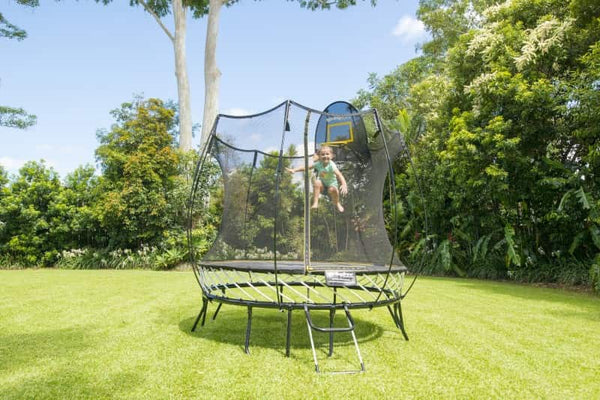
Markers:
point(291, 170)
point(344, 189)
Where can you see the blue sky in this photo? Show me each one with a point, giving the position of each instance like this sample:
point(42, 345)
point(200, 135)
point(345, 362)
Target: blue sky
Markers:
point(81, 60)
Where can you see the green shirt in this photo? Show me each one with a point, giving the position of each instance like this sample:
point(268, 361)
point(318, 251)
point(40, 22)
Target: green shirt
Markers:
point(326, 173)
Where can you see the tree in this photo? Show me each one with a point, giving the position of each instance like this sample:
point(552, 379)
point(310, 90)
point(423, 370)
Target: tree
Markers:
point(508, 141)
point(447, 20)
point(11, 31)
point(212, 74)
point(199, 8)
point(9, 116)
point(159, 9)
point(139, 167)
point(3, 177)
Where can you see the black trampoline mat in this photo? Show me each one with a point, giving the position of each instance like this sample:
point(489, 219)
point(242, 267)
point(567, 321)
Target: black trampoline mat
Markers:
point(297, 267)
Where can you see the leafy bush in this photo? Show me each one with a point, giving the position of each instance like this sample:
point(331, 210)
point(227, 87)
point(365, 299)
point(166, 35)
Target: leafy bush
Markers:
point(143, 258)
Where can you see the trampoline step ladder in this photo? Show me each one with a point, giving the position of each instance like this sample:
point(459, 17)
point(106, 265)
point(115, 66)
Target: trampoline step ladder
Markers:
point(395, 311)
point(331, 330)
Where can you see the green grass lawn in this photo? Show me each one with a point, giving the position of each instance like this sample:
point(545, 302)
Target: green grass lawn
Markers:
point(126, 334)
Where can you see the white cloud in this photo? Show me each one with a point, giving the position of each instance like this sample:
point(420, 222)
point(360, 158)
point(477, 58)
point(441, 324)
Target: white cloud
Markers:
point(300, 148)
point(255, 137)
point(52, 149)
point(237, 112)
point(12, 164)
point(409, 29)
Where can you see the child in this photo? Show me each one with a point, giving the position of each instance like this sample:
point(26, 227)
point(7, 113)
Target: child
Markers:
point(327, 178)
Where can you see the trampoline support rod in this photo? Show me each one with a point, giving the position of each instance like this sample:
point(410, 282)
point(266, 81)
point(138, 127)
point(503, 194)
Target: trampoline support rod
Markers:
point(289, 332)
point(331, 318)
point(398, 307)
point(219, 306)
point(201, 314)
point(248, 328)
point(217, 311)
point(397, 317)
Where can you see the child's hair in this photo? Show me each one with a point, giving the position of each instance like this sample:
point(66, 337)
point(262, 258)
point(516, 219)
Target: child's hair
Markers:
point(325, 147)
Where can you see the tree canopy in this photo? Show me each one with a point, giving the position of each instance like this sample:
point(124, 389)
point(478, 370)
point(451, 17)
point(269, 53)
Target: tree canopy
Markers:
point(15, 117)
point(505, 136)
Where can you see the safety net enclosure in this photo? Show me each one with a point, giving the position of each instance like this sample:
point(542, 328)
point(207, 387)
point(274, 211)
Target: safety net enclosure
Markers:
point(279, 244)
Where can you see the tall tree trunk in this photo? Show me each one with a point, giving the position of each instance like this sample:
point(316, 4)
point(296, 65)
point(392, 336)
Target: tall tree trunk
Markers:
point(211, 72)
point(183, 85)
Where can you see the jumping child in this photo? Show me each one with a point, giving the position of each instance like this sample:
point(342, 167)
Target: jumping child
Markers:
point(328, 176)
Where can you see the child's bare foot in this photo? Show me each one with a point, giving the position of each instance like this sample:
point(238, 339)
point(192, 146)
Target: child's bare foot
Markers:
point(315, 206)
point(340, 208)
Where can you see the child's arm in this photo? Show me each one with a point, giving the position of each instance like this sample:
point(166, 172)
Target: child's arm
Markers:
point(301, 168)
point(298, 169)
point(342, 181)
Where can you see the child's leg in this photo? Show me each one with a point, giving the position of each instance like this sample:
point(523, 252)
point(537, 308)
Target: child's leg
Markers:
point(335, 197)
point(317, 188)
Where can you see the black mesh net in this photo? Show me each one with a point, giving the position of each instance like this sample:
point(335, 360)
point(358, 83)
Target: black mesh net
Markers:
point(269, 212)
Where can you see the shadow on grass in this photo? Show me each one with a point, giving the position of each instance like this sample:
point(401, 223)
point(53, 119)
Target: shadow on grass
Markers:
point(591, 314)
point(23, 349)
point(69, 382)
point(530, 292)
point(588, 305)
point(269, 328)
point(41, 365)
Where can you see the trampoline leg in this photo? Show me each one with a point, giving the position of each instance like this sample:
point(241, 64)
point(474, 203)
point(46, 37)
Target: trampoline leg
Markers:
point(400, 322)
point(247, 351)
point(201, 314)
point(393, 314)
point(217, 311)
point(331, 317)
point(205, 304)
point(197, 319)
point(289, 333)
point(219, 306)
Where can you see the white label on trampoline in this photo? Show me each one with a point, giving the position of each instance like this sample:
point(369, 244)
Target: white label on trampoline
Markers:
point(340, 278)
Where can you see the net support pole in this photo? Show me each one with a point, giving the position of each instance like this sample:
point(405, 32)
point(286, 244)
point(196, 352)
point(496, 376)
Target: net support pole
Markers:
point(277, 180)
point(306, 198)
point(248, 329)
point(393, 200)
point(244, 232)
point(289, 332)
point(196, 183)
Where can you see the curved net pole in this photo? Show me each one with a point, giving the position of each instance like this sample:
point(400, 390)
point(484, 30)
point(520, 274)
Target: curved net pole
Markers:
point(192, 199)
point(426, 217)
point(277, 179)
point(306, 198)
point(394, 202)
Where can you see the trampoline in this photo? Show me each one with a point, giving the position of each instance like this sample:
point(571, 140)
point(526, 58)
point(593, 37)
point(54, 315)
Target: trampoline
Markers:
point(275, 248)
